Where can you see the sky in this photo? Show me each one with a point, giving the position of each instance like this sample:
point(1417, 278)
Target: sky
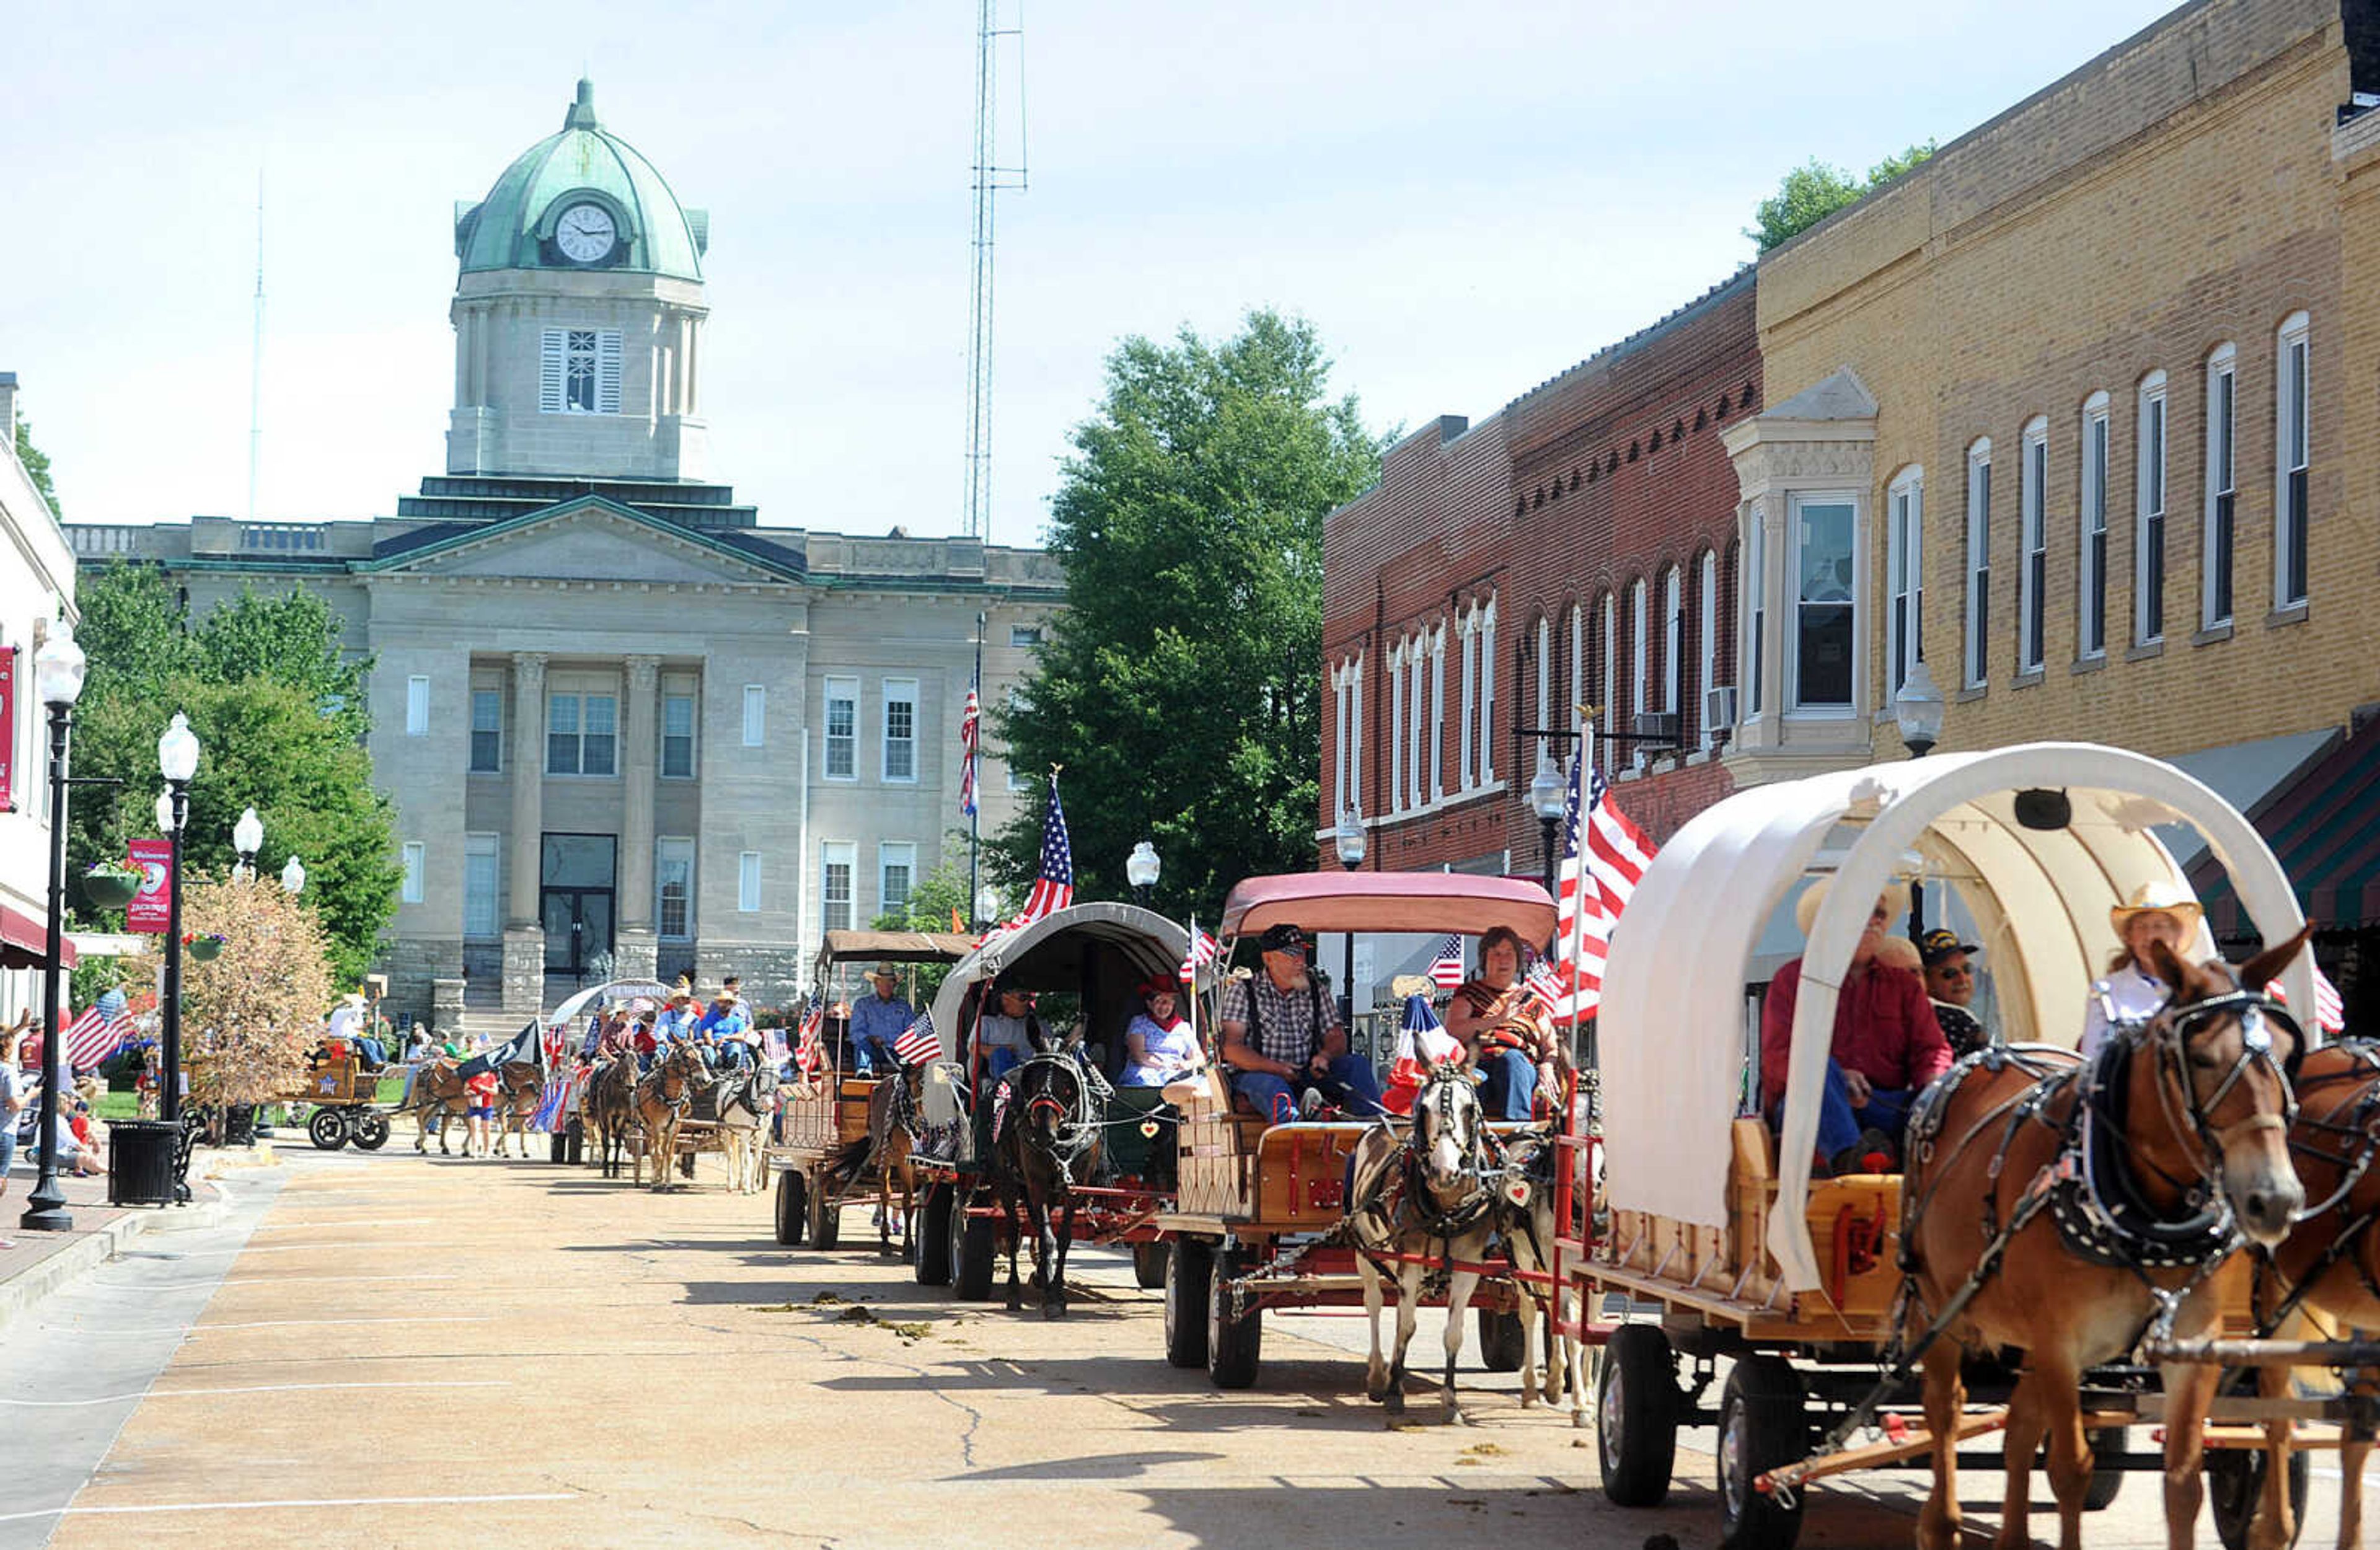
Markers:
point(1464, 199)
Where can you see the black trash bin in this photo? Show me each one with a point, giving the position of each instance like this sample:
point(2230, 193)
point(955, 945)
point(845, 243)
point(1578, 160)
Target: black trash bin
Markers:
point(140, 1162)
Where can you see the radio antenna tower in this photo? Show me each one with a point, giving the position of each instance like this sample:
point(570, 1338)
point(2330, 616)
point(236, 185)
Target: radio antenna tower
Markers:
point(990, 178)
point(256, 357)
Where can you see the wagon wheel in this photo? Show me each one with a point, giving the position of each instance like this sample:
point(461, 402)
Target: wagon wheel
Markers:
point(1762, 1425)
point(930, 1238)
point(2100, 1494)
point(793, 1202)
point(1501, 1339)
point(826, 1217)
point(327, 1129)
point(975, 1246)
point(1636, 1416)
point(1235, 1334)
point(1148, 1264)
point(2235, 1478)
point(1188, 1268)
point(369, 1131)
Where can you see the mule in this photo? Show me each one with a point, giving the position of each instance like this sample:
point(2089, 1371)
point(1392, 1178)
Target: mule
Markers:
point(746, 1100)
point(2194, 1109)
point(608, 1107)
point(1412, 1196)
point(520, 1087)
point(1524, 1221)
point(663, 1097)
point(437, 1097)
point(892, 1126)
point(1046, 1139)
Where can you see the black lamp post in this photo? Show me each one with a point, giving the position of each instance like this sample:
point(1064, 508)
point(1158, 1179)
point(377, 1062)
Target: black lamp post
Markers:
point(57, 680)
point(1140, 869)
point(1917, 711)
point(1349, 836)
point(1549, 799)
point(177, 760)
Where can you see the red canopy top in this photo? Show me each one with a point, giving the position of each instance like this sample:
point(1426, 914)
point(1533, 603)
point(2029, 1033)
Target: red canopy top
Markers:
point(1455, 901)
point(25, 944)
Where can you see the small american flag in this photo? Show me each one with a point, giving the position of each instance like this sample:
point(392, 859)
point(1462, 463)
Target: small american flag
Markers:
point(970, 747)
point(809, 1054)
point(90, 1038)
point(919, 1043)
point(1203, 949)
point(1446, 969)
point(773, 1045)
point(1055, 889)
point(2329, 1009)
point(1547, 982)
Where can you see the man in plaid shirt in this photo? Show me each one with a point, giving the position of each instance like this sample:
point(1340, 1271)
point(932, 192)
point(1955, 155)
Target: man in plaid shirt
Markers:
point(1282, 1036)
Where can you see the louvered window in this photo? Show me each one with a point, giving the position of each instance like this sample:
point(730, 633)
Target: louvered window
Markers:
point(578, 371)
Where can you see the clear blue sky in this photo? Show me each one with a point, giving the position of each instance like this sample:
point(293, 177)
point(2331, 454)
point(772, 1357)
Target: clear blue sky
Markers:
point(1465, 199)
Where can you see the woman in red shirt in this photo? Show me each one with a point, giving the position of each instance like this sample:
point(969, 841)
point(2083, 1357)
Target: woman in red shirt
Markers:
point(482, 1091)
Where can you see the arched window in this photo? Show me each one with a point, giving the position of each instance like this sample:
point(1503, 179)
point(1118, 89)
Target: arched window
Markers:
point(1706, 639)
point(2090, 607)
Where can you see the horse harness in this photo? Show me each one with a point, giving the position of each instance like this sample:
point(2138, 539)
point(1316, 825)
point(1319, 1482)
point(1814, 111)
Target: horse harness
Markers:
point(2362, 1121)
point(1077, 1127)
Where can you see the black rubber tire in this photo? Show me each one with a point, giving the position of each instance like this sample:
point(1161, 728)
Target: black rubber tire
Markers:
point(1234, 1343)
point(1501, 1337)
point(1187, 1271)
point(792, 1208)
point(826, 1218)
point(327, 1130)
point(2100, 1494)
point(578, 1134)
point(559, 1142)
point(1636, 1416)
point(1148, 1264)
point(369, 1131)
point(2235, 1479)
point(930, 1238)
point(979, 1246)
point(1763, 1423)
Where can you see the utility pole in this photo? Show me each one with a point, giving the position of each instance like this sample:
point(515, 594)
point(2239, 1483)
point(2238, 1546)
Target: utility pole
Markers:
point(990, 179)
point(256, 357)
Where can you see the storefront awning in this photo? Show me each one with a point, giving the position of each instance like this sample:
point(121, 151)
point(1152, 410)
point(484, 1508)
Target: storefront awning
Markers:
point(2325, 828)
point(24, 942)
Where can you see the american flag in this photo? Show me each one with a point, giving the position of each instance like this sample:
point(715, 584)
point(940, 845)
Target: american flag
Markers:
point(1604, 858)
point(1546, 982)
point(970, 747)
point(2329, 1009)
point(90, 1038)
point(1055, 889)
point(919, 1043)
point(810, 1053)
point(772, 1046)
point(1446, 969)
point(1203, 949)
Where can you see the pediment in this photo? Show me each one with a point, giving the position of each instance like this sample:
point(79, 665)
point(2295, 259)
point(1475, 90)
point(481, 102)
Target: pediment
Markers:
point(584, 541)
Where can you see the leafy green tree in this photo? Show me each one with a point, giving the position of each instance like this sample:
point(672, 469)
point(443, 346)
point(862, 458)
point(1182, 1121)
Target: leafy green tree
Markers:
point(1181, 689)
point(1815, 191)
point(37, 465)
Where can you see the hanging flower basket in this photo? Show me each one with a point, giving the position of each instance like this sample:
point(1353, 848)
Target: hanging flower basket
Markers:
point(204, 947)
point(108, 887)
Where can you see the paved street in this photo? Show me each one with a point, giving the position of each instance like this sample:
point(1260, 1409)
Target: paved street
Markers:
point(399, 1351)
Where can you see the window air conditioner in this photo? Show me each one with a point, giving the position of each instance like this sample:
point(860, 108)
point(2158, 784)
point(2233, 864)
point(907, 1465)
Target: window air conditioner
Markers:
point(1718, 707)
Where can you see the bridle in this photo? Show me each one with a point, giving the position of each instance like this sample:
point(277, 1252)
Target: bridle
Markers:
point(1072, 1129)
point(2169, 1037)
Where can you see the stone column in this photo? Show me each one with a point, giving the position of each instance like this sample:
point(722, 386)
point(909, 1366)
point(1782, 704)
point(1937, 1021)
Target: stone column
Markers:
point(524, 933)
point(636, 953)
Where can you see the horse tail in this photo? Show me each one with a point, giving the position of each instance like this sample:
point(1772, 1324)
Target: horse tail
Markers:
point(847, 1161)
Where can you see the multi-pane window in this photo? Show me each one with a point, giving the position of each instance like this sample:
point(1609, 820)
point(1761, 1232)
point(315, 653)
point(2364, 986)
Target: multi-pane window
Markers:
point(416, 856)
point(1825, 628)
point(582, 734)
point(896, 868)
point(673, 888)
point(416, 706)
point(2032, 577)
point(2293, 456)
point(1755, 613)
point(1640, 662)
point(2148, 517)
point(834, 890)
point(1706, 585)
point(2090, 620)
point(900, 729)
point(677, 737)
point(1904, 539)
point(2222, 486)
point(1024, 634)
point(578, 371)
point(1673, 638)
point(480, 885)
point(487, 731)
point(747, 884)
point(842, 728)
point(1467, 630)
point(1979, 563)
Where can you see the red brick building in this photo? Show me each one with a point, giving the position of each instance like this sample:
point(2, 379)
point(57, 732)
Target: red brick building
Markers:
point(1577, 547)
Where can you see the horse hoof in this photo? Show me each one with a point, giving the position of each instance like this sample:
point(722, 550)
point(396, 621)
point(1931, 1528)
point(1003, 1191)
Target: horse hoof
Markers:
point(1054, 1309)
point(1394, 1400)
point(1456, 1418)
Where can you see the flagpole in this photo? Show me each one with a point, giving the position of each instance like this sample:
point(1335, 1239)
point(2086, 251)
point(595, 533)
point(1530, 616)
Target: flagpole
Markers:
point(975, 819)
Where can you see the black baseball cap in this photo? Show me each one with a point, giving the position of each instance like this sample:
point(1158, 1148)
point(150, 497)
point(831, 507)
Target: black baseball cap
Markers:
point(1938, 944)
point(1282, 939)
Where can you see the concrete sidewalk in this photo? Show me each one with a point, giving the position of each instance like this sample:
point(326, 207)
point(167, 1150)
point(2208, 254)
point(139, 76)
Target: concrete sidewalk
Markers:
point(40, 1263)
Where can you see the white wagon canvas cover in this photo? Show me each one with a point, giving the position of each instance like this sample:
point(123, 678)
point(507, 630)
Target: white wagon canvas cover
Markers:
point(1672, 1033)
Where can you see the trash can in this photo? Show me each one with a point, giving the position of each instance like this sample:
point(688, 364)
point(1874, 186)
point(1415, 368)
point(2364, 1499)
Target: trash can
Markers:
point(141, 1161)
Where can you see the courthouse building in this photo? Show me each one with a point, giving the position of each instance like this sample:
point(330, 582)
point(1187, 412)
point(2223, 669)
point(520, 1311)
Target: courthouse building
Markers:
point(626, 726)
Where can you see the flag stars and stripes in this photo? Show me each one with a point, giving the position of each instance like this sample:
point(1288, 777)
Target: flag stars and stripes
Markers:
point(918, 1043)
point(1446, 969)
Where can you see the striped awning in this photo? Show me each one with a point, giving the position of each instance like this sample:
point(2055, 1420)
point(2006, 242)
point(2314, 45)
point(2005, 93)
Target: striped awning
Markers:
point(24, 942)
point(2325, 828)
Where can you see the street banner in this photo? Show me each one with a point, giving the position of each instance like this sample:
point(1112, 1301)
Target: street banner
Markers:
point(8, 729)
point(150, 908)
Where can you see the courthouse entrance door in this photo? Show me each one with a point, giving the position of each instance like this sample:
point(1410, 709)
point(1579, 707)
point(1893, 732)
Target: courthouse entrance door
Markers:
point(576, 899)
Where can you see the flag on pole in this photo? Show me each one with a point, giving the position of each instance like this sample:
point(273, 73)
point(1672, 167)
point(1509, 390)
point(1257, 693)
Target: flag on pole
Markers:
point(521, 1048)
point(1422, 1042)
point(1446, 969)
point(1604, 858)
point(1054, 889)
point(772, 1046)
point(2329, 1009)
point(918, 1043)
point(1203, 949)
point(809, 1050)
point(970, 747)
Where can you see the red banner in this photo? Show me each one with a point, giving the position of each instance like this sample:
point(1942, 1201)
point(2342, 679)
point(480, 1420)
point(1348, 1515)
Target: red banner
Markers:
point(8, 729)
point(150, 908)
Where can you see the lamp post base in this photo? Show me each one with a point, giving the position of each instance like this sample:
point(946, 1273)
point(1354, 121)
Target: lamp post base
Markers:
point(45, 1211)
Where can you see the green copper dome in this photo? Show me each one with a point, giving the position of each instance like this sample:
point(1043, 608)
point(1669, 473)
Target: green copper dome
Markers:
point(639, 228)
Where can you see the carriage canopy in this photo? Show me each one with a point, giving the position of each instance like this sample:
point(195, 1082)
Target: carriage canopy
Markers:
point(1675, 1024)
point(611, 993)
point(1102, 950)
point(1377, 902)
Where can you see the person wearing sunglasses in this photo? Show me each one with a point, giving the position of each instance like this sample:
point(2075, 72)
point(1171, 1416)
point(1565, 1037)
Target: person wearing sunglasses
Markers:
point(1950, 985)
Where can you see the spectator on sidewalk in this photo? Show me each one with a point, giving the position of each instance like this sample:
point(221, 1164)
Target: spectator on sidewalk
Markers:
point(12, 1102)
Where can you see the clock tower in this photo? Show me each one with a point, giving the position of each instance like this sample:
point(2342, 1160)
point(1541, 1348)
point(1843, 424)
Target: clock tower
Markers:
point(578, 316)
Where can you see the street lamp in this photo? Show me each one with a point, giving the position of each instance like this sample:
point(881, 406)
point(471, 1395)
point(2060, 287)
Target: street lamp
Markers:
point(1550, 799)
point(1140, 869)
point(292, 877)
point(987, 905)
point(248, 837)
point(57, 680)
point(1350, 838)
point(1917, 711)
point(177, 760)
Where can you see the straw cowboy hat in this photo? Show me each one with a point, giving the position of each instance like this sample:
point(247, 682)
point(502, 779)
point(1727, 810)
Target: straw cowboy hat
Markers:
point(2167, 898)
point(1895, 899)
point(886, 969)
point(352, 998)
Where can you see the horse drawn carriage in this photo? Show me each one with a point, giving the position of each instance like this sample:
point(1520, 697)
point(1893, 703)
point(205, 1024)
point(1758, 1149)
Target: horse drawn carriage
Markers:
point(339, 1091)
point(1732, 1258)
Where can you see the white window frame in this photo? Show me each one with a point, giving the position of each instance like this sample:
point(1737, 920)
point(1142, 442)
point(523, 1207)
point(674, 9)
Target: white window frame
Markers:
point(747, 882)
point(1673, 638)
point(1339, 738)
point(1488, 696)
point(1753, 647)
point(1904, 576)
point(897, 691)
point(1610, 655)
point(1437, 713)
point(1706, 666)
point(2033, 546)
point(1977, 650)
point(1544, 678)
point(1397, 727)
point(693, 735)
point(889, 854)
point(487, 849)
point(831, 855)
point(1355, 735)
point(1791, 647)
point(416, 860)
point(667, 849)
point(1639, 664)
point(845, 691)
point(2293, 457)
point(2152, 501)
point(2218, 533)
point(2098, 480)
point(1024, 637)
point(495, 697)
point(756, 715)
point(417, 705)
point(563, 354)
point(1466, 629)
point(1577, 679)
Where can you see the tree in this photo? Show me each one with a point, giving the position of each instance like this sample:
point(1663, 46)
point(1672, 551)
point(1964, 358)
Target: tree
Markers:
point(37, 465)
point(1181, 688)
point(1815, 191)
point(248, 1017)
point(933, 897)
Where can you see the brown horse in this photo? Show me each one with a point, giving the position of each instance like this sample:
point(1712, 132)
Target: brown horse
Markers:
point(437, 1097)
point(608, 1107)
point(2327, 1272)
point(2193, 1107)
point(663, 1097)
point(893, 1108)
point(520, 1086)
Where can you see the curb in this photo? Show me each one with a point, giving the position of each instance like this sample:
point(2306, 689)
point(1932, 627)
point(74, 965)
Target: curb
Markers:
point(24, 1294)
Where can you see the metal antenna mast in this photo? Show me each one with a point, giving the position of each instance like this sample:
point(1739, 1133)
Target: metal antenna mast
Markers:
point(256, 357)
point(988, 181)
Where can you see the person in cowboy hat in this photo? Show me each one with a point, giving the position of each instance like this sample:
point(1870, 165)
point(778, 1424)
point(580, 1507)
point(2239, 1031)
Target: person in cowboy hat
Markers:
point(1949, 971)
point(1159, 1042)
point(1008, 1030)
point(677, 1019)
point(1887, 1045)
point(878, 1019)
point(1281, 1035)
point(726, 1029)
point(2157, 911)
point(347, 1023)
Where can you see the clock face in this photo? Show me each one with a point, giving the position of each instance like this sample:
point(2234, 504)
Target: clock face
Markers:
point(585, 233)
